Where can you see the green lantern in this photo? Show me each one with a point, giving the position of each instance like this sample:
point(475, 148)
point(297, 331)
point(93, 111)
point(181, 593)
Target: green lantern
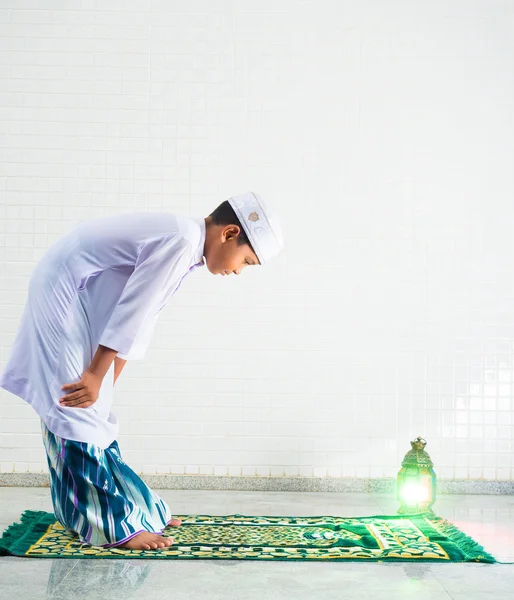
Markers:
point(416, 485)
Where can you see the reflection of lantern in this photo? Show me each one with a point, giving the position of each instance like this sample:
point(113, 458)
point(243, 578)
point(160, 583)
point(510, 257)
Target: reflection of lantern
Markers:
point(416, 480)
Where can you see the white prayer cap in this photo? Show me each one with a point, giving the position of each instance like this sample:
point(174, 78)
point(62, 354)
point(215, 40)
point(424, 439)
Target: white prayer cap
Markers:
point(260, 224)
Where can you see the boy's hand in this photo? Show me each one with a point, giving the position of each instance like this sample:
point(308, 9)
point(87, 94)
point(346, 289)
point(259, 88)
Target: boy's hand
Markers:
point(83, 393)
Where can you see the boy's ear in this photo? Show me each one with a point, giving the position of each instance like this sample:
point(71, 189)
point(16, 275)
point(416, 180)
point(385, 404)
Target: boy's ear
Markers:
point(231, 232)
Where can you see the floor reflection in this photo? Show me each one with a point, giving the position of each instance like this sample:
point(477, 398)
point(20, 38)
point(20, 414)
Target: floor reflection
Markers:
point(124, 577)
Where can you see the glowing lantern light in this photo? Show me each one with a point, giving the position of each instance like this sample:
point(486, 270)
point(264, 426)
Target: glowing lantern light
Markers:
point(416, 487)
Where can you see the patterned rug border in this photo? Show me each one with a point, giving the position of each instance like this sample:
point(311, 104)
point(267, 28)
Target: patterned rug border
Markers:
point(19, 537)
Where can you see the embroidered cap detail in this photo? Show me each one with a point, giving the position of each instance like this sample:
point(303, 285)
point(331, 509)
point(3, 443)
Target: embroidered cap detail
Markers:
point(253, 217)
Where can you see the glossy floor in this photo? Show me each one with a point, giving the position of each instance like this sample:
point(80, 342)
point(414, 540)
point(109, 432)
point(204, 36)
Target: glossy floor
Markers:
point(488, 519)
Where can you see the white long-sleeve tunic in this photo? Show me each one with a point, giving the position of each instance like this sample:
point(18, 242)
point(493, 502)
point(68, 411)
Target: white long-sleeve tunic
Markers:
point(104, 283)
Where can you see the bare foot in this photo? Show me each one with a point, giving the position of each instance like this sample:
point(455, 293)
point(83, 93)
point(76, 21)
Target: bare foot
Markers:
point(147, 541)
point(175, 522)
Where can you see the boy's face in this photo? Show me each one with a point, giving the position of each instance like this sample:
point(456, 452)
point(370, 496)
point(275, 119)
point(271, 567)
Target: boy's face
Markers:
point(226, 256)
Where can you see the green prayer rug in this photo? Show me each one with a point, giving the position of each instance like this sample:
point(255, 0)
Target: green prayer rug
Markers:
point(424, 537)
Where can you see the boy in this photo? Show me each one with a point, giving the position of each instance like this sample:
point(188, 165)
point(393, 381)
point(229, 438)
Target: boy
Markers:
point(93, 302)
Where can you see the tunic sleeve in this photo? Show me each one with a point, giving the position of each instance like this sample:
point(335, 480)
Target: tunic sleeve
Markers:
point(143, 338)
point(160, 265)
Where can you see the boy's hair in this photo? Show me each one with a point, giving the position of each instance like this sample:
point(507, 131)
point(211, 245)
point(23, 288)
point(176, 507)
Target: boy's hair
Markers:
point(225, 215)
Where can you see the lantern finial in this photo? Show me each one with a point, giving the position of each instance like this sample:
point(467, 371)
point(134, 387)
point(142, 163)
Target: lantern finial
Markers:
point(417, 455)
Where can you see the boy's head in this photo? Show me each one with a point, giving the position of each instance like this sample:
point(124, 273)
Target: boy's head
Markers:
point(240, 232)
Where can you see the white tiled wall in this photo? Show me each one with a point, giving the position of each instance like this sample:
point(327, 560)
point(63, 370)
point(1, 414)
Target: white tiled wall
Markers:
point(383, 134)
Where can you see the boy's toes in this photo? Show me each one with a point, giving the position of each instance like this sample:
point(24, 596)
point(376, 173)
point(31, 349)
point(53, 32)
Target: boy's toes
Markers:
point(175, 522)
point(147, 541)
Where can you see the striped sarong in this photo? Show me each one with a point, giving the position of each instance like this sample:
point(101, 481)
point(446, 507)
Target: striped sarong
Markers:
point(96, 495)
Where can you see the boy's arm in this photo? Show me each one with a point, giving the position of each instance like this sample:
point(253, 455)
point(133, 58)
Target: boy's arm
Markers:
point(160, 266)
point(102, 361)
point(119, 363)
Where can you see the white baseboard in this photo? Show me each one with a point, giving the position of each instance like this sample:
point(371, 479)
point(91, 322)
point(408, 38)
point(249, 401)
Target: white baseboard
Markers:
point(279, 484)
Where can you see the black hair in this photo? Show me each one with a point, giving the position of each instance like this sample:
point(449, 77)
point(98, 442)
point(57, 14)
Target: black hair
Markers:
point(225, 215)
